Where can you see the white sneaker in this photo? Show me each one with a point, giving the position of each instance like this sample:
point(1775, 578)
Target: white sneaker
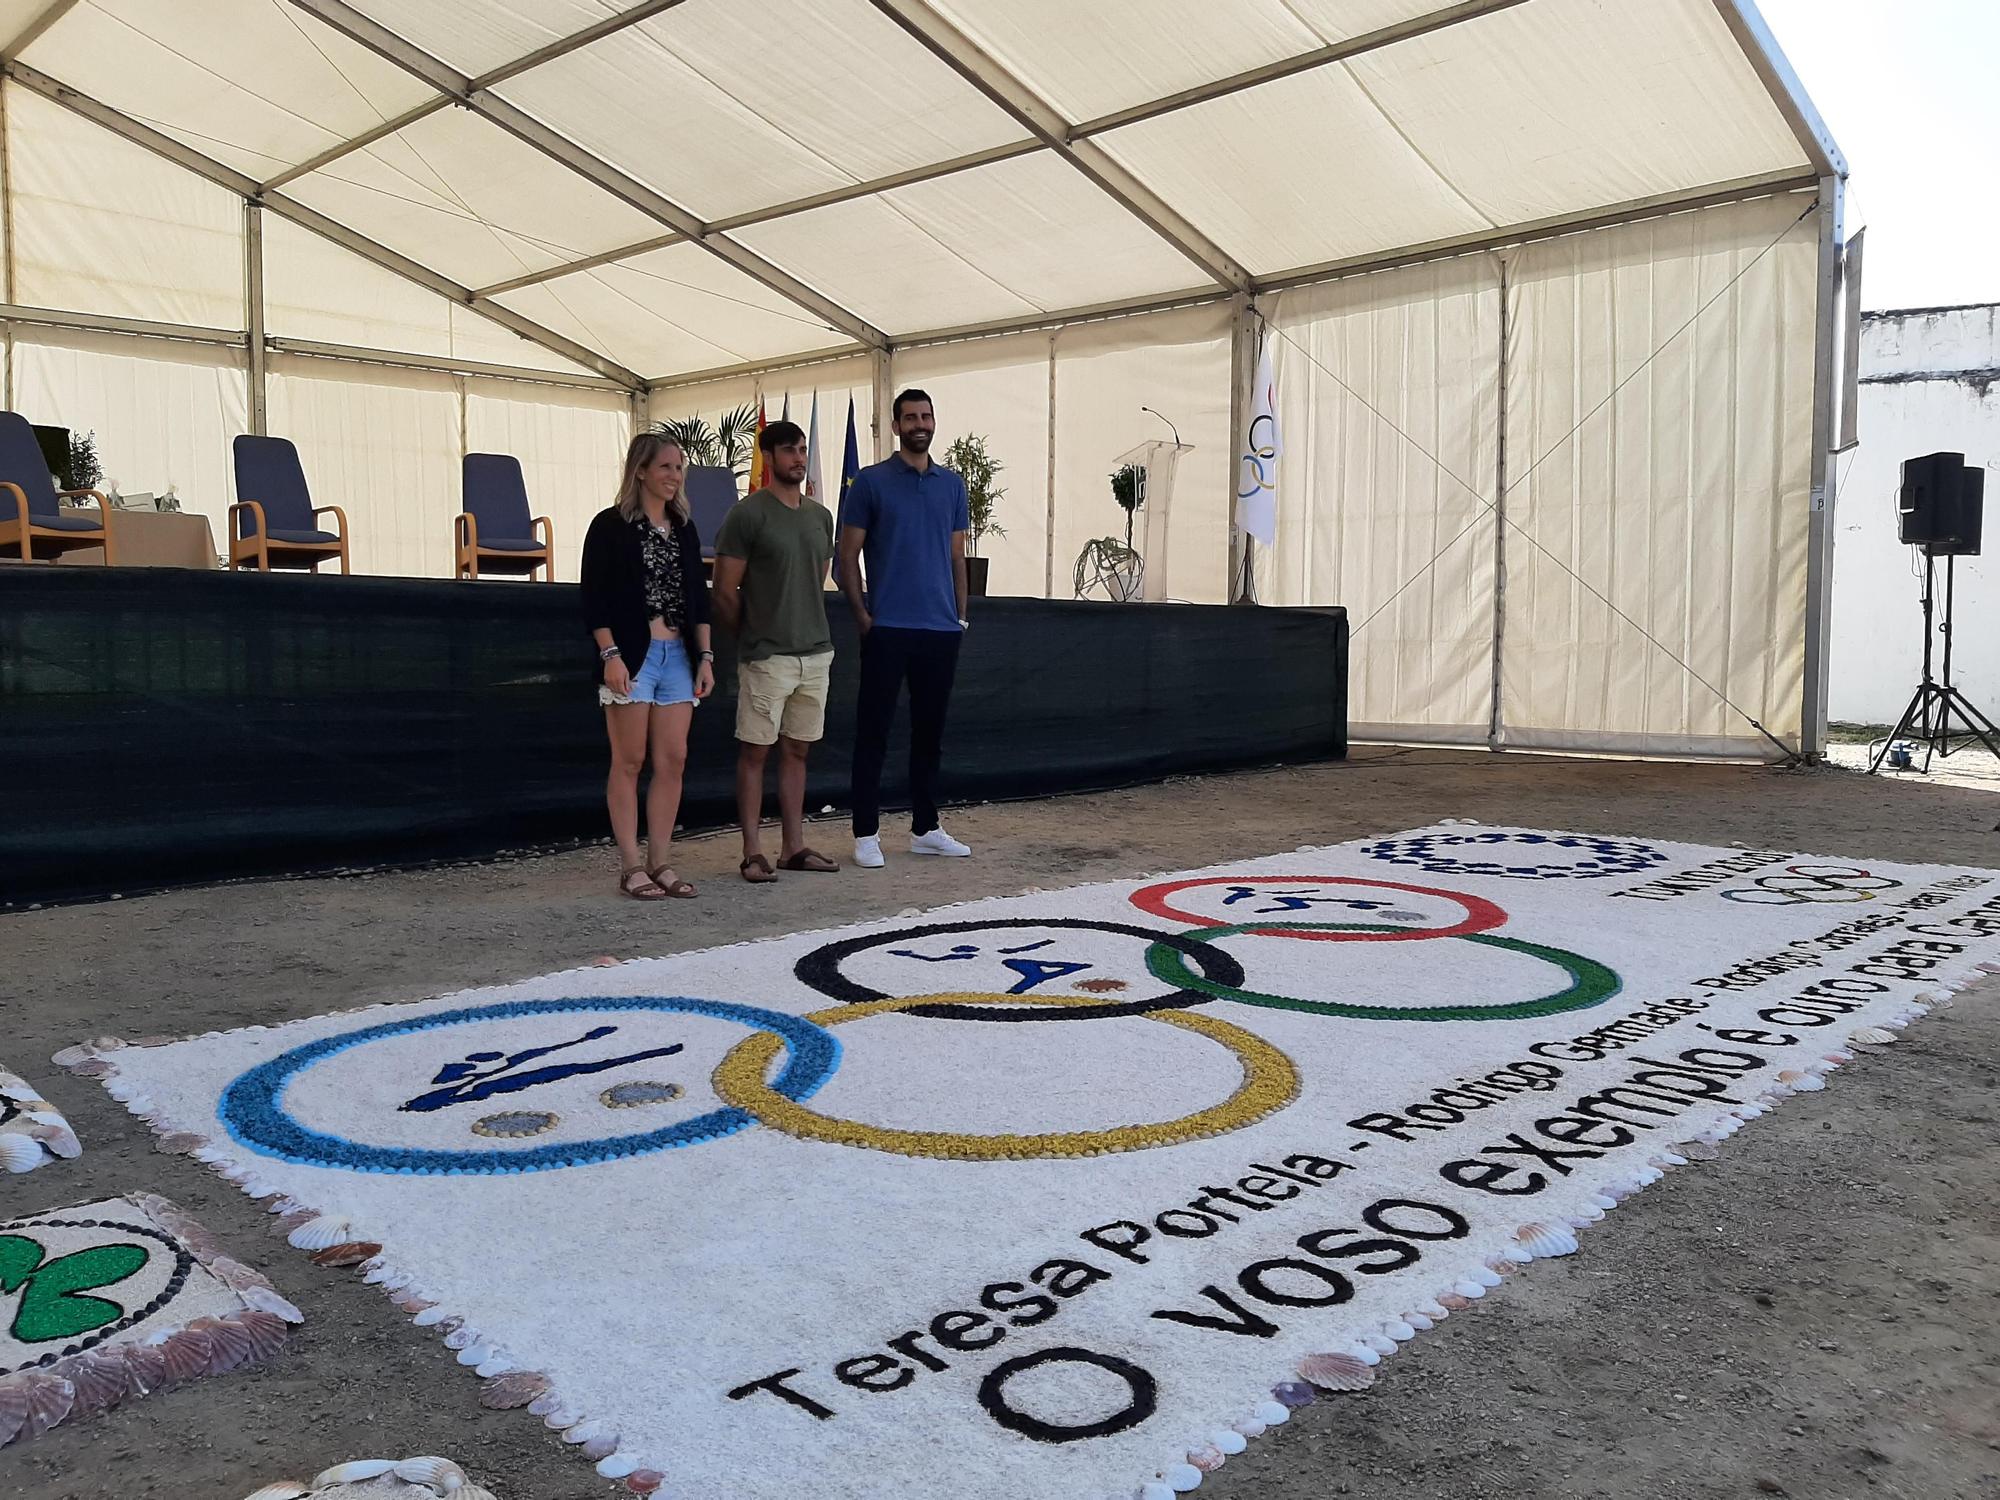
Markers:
point(937, 841)
point(868, 852)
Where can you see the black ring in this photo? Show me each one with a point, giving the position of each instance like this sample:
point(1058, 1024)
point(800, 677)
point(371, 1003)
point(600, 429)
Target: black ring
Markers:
point(820, 970)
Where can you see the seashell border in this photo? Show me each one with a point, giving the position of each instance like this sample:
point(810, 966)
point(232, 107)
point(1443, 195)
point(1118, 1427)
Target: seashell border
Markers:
point(34, 1132)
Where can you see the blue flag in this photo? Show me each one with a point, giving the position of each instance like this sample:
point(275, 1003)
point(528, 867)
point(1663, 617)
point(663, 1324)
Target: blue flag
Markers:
point(850, 470)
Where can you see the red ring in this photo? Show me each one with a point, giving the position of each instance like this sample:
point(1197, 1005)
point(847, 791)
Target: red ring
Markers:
point(1481, 915)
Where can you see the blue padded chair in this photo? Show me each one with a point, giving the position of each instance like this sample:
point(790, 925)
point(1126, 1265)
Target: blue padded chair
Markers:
point(494, 531)
point(32, 519)
point(710, 493)
point(274, 522)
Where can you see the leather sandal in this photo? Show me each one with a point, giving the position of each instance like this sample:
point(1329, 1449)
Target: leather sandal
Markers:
point(679, 889)
point(765, 874)
point(809, 860)
point(649, 890)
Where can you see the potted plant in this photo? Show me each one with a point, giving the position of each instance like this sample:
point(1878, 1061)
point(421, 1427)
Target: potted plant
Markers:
point(1128, 488)
point(726, 445)
point(968, 457)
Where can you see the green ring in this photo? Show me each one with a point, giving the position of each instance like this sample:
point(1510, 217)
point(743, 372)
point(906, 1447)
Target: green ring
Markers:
point(1591, 983)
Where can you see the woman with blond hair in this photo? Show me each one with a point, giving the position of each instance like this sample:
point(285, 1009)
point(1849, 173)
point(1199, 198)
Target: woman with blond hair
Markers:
point(645, 604)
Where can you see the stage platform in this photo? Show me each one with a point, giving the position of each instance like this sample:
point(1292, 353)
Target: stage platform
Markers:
point(161, 727)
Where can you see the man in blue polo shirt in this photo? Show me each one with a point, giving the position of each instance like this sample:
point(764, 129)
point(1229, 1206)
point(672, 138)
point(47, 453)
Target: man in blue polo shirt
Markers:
point(907, 518)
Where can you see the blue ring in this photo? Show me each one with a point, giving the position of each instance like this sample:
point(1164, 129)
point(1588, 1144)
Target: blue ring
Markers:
point(251, 1111)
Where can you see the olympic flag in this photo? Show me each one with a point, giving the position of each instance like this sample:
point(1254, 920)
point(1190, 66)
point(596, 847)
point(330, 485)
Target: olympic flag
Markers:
point(1257, 467)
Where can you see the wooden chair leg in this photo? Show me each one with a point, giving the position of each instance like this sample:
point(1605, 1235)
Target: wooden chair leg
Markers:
point(343, 558)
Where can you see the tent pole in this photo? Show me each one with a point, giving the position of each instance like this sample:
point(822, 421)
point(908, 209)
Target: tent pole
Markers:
point(1819, 534)
point(1049, 535)
point(253, 316)
point(1500, 519)
point(1242, 328)
point(884, 422)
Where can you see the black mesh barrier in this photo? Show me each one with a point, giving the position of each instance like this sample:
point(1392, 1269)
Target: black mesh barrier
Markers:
point(160, 727)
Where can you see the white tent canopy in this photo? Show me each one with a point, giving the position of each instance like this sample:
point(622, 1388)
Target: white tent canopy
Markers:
point(1552, 284)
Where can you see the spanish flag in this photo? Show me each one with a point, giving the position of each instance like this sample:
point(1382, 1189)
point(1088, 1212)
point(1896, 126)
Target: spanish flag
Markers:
point(757, 451)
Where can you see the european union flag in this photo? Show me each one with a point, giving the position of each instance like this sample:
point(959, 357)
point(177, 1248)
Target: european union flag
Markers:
point(850, 470)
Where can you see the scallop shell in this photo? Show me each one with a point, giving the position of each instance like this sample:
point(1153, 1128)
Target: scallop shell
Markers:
point(599, 1448)
point(349, 1253)
point(1250, 1427)
point(49, 1400)
point(460, 1337)
point(1272, 1413)
point(644, 1481)
point(320, 1233)
point(508, 1392)
point(353, 1472)
point(284, 1489)
point(13, 1409)
point(1293, 1393)
point(1872, 1036)
point(266, 1332)
point(230, 1346)
point(69, 1057)
point(1230, 1441)
point(1207, 1458)
point(180, 1143)
point(21, 1153)
point(617, 1465)
point(145, 1368)
point(1156, 1489)
point(1543, 1240)
point(97, 1381)
point(583, 1432)
point(1454, 1301)
point(1180, 1478)
point(59, 1138)
point(438, 1475)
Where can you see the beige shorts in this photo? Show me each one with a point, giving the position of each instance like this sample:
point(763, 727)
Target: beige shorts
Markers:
point(782, 695)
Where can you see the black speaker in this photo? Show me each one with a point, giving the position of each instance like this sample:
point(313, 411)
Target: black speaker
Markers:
point(1941, 504)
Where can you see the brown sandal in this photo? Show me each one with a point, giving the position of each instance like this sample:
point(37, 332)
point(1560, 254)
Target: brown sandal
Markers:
point(762, 865)
point(679, 889)
point(652, 890)
point(804, 860)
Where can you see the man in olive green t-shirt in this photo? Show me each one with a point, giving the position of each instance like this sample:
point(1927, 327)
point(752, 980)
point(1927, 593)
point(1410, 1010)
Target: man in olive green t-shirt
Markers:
point(771, 559)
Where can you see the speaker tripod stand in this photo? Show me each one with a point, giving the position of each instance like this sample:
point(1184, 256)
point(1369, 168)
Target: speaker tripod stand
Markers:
point(1937, 701)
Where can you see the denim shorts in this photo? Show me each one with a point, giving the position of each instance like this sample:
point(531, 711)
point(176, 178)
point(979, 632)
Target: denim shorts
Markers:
point(664, 677)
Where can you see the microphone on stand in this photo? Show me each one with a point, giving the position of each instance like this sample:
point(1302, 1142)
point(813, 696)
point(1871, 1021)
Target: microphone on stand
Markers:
point(1170, 426)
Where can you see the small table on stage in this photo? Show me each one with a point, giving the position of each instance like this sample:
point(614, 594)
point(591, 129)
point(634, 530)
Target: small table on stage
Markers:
point(153, 539)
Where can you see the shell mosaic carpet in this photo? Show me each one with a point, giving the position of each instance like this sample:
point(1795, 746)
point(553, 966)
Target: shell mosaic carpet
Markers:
point(1068, 1193)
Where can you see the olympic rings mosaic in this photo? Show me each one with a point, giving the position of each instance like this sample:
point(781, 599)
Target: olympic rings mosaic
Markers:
point(1429, 852)
point(1194, 965)
point(1270, 1082)
point(1812, 884)
point(1481, 915)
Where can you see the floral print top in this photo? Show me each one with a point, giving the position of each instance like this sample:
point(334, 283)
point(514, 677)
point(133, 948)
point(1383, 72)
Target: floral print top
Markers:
point(666, 598)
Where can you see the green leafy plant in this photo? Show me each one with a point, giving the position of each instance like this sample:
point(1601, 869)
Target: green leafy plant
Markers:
point(1128, 488)
point(726, 445)
point(967, 455)
point(84, 470)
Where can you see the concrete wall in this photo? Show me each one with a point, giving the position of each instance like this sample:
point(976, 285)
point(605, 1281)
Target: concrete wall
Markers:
point(1930, 380)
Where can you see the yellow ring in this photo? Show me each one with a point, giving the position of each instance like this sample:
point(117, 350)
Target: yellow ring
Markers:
point(1270, 1082)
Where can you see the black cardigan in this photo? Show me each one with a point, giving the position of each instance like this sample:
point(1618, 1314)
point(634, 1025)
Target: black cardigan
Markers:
point(614, 587)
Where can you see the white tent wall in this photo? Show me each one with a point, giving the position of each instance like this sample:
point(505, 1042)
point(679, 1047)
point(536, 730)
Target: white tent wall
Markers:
point(1179, 364)
point(164, 412)
point(1389, 396)
point(1930, 383)
point(1659, 434)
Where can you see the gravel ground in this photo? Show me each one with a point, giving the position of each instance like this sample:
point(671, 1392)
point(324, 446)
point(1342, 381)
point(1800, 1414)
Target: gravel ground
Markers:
point(1816, 1313)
